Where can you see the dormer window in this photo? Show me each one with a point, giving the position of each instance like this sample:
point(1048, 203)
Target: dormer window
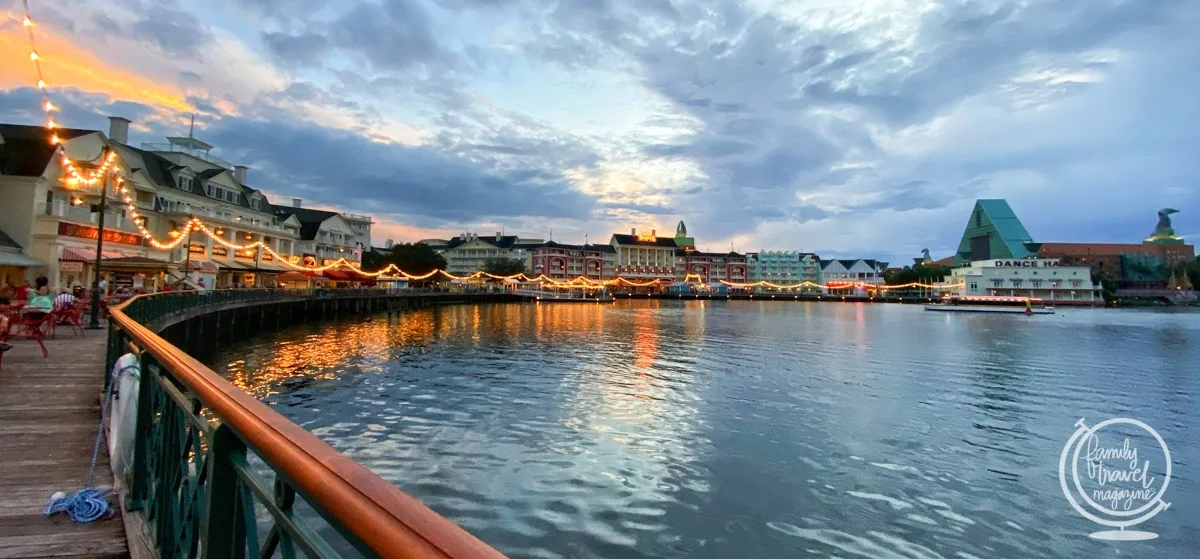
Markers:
point(184, 183)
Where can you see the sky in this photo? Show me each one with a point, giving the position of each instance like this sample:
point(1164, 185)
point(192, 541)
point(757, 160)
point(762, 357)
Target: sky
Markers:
point(850, 129)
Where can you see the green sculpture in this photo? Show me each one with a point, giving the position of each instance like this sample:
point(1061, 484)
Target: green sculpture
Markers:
point(1164, 234)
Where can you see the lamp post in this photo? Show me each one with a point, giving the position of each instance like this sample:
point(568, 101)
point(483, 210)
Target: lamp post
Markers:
point(187, 253)
point(94, 324)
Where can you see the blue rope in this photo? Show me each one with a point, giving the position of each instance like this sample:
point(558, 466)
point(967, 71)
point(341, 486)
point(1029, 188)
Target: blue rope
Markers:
point(89, 504)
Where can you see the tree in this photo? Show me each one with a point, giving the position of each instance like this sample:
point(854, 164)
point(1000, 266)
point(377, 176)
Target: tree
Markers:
point(415, 259)
point(923, 273)
point(504, 266)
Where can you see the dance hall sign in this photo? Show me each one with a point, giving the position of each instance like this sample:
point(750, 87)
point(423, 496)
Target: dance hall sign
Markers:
point(1027, 263)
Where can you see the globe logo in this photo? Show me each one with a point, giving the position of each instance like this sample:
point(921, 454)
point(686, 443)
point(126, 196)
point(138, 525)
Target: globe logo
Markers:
point(1116, 474)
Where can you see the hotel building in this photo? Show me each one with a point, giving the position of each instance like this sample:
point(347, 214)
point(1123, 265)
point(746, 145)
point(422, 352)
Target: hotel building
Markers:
point(56, 223)
point(783, 267)
point(710, 267)
point(563, 262)
point(468, 253)
point(642, 257)
point(863, 270)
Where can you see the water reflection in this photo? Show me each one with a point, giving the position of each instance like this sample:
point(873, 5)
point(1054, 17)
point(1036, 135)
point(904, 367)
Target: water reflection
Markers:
point(741, 429)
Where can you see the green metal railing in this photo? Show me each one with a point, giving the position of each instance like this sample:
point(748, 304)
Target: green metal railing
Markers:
point(197, 436)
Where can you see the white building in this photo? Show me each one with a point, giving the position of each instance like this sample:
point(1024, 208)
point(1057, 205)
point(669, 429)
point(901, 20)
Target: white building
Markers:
point(324, 236)
point(1042, 278)
point(644, 257)
point(852, 271)
point(469, 252)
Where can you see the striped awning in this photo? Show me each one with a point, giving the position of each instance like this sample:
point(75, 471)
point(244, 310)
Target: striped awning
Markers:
point(73, 254)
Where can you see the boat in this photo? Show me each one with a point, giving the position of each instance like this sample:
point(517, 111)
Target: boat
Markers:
point(991, 304)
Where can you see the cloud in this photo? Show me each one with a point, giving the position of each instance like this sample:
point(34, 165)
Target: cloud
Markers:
point(419, 185)
point(174, 31)
point(860, 128)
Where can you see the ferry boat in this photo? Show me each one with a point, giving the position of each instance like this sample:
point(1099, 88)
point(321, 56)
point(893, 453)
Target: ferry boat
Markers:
point(991, 304)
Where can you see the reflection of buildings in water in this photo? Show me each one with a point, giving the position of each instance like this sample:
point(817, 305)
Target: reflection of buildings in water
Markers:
point(645, 338)
point(324, 355)
point(636, 416)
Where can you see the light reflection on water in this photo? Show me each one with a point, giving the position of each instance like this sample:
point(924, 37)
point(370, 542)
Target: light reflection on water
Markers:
point(742, 429)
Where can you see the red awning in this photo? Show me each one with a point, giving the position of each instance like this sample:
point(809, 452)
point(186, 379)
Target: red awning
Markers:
point(341, 275)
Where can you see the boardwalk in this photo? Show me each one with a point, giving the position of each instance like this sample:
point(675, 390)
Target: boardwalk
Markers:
point(49, 409)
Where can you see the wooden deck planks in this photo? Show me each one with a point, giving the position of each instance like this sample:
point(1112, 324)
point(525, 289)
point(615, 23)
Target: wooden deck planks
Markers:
point(49, 411)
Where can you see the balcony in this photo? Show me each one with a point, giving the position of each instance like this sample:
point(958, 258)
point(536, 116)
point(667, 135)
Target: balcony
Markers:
point(83, 214)
point(210, 215)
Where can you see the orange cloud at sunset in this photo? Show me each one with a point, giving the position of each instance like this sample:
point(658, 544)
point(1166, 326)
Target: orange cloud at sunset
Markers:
point(65, 64)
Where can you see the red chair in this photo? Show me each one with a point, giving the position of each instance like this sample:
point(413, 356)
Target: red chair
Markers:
point(67, 316)
point(23, 327)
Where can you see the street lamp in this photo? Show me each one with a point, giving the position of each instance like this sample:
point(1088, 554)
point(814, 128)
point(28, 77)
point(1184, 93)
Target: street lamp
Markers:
point(94, 324)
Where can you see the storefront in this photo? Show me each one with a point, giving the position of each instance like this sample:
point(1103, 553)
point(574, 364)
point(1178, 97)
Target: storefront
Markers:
point(300, 280)
point(118, 268)
point(14, 267)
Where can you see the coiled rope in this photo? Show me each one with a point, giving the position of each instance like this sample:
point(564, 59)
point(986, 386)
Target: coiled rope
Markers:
point(89, 504)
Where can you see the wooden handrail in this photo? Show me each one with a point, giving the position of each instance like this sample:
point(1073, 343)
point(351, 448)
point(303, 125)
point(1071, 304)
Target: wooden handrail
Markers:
point(389, 521)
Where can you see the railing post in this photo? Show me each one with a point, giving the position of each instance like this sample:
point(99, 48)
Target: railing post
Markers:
point(223, 532)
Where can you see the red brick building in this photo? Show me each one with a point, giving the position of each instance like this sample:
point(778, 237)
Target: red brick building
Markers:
point(1105, 258)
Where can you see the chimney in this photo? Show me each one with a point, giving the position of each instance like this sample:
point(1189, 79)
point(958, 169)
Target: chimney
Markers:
point(633, 231)
point(239, 173)
point(296, 202)
point(118, 129)
point(498, 235)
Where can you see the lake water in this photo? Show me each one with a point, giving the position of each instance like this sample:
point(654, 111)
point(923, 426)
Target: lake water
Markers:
point(745, 429)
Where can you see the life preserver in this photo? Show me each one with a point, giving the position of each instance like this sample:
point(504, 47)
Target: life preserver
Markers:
point(122, 424)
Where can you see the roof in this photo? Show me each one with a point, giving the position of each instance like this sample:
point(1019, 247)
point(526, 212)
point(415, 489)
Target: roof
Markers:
point(310, 219)
point(633, 240)
point(161, 169)
point(6, 242)
point(501, 241)
point(1007, 237)
point(27, 151)
point(1110, 249)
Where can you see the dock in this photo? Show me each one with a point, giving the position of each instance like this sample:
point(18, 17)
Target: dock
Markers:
point(49, 412)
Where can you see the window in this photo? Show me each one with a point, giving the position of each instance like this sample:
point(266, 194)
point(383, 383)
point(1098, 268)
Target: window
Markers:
point(210, 191)
point(1076, 283)
point(1037, 283)
point(1017, 282)
point(997, 282)
point(974, 286)
point(184, 183)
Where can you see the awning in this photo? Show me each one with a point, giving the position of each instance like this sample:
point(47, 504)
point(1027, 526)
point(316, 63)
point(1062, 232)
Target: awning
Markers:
point(137, 263)
point(341, 275)
point(297, 276)
point(232, 266)
point(202, 267)
point(17, 259)
point(271, 267)
point(72, 254)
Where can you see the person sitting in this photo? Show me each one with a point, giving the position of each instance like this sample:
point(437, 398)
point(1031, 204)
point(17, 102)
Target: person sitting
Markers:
point(65, 300)
point(39, 305)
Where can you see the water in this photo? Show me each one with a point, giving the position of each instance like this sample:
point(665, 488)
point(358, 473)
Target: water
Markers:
point(744, 429)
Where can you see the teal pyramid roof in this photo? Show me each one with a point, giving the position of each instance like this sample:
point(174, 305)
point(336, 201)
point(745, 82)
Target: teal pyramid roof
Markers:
point(994, 231)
